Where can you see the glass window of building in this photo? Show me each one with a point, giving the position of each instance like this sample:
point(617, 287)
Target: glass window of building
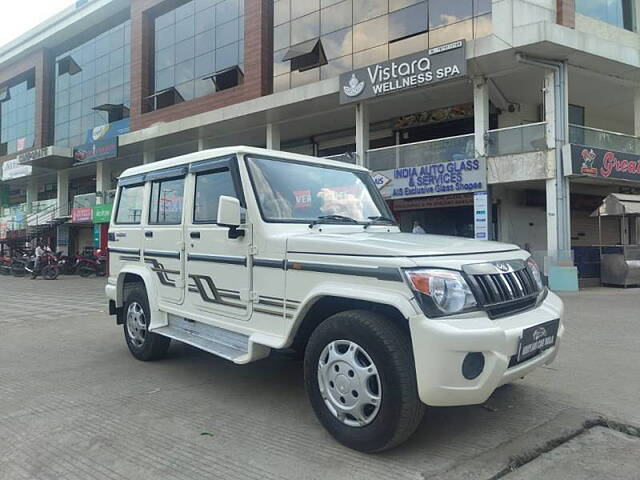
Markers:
point(199, 49)
point(17, 114)
point(616, 12)
point(92, 85)
point(355, 33)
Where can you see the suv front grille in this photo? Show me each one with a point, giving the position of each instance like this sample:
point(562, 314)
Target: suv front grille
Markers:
point(501, 294)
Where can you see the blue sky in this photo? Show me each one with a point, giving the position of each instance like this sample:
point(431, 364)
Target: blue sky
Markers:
point(18, 16)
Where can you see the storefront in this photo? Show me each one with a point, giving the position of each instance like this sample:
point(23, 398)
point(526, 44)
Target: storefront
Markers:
point(446, 198)
point(101, 216)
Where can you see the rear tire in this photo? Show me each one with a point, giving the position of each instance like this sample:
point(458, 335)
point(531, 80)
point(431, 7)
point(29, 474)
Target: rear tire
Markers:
point(86, 270)
point(143, 345)
point(361, 381)
point(50, 272)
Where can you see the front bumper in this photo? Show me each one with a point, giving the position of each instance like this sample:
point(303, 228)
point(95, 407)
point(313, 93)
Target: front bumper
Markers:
point(440, 347)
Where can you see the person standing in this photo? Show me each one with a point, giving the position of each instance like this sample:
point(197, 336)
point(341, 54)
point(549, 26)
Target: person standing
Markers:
point(417, 228)
point(39, 252)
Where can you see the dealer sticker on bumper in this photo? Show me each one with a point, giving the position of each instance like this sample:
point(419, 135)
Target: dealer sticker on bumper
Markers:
point(537, 338)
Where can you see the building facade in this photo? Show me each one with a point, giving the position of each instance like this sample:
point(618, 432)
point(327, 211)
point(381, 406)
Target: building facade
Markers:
point(495, 119)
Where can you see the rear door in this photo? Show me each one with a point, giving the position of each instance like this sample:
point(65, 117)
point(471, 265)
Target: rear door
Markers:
point(218, 273)
point(164, 232)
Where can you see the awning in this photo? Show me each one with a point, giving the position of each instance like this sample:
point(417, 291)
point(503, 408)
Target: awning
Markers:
point(617, 205)
point(300, 49)
point(53, 157)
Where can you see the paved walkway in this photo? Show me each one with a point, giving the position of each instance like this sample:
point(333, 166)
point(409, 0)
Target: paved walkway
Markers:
point(74, 404)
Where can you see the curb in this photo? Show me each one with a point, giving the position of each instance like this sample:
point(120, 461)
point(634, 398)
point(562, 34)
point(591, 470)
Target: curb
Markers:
point(499, 461)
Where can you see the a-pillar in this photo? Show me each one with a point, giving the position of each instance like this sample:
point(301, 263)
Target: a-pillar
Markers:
point(103, 181)
point(63, 193)
point(273, 136)
point(32, 193)
point(362, 132)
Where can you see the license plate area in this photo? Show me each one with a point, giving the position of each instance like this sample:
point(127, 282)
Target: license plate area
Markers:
point(536, 339)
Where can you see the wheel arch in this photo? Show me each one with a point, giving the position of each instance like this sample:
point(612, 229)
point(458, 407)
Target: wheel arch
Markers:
point(317, 308)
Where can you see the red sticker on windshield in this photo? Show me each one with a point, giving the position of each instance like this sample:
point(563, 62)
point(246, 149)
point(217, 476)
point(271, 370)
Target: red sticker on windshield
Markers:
point(303, 198)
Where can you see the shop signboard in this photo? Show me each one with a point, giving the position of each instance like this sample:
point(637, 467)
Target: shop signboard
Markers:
point(96, 235)
point(481, 215)
point(102, 213)
point(428, 67)
point(14, 169)
point(443, 178)
point(31, 155)
point(605, 164)
point(109, 130)
point(103, 149)
point(81, 215)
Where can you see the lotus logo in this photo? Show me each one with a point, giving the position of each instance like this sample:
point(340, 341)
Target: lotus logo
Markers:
point(539, 333)
point(354, 88)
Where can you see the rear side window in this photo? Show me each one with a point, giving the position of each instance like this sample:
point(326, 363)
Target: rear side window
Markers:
point(166, 202)
point(209, 187)
point(130, 205)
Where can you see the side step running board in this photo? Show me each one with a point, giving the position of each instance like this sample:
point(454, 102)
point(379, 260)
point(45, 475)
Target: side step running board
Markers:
point(221, 342)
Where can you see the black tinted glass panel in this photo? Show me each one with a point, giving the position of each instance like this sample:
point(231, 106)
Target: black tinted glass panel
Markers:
point(408, 21)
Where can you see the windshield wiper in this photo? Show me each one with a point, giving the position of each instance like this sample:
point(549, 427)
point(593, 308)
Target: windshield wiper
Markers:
point(332, 219)
point(379, 219)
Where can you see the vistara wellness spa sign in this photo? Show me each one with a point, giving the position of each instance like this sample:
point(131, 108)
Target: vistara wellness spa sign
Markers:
point(435, 65)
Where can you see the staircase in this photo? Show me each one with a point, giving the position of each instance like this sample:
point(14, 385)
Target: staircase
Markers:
point(36, 225)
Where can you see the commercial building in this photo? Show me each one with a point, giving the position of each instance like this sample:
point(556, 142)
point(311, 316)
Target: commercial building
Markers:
point(502, 119)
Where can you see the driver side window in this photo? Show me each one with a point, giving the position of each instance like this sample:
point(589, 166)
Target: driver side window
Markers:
point(209, 187)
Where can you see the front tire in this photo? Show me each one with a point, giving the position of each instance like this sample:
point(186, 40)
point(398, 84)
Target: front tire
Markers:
point(360, 378)
point(143, 345)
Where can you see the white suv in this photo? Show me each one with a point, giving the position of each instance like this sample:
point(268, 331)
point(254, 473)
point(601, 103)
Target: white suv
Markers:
point(241, 251)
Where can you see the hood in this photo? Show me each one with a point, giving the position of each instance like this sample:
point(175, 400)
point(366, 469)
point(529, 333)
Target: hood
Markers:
point(391, 244)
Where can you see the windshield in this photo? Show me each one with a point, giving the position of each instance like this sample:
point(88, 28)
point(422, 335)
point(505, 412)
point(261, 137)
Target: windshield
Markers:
point(297, 192)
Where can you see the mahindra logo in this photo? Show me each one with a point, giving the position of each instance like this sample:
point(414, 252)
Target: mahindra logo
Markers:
point(539, 333)
point(503, 267)
point(354, 88)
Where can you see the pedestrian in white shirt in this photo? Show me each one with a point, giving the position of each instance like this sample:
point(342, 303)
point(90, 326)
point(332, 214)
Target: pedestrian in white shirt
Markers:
point(417, 228)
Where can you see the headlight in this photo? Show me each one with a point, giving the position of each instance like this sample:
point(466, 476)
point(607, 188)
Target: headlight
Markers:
point(443, 292)
point(535, 271)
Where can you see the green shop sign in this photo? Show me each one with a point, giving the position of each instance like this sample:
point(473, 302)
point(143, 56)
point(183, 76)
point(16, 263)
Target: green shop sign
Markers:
point(102, 213)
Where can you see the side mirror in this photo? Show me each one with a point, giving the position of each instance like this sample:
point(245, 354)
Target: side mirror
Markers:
point(229, 215)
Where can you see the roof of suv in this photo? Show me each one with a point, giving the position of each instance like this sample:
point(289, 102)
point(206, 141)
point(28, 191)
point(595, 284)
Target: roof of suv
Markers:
point(226, 151)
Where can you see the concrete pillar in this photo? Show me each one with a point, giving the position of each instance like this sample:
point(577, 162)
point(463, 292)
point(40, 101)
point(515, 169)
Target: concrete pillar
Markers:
point(103, 181)
point(362, 132)
point(551, 185)
point(32, 193)
point(148, 153)
point(636, 109)
point(63, 193)
point(480, 113)
point(273, 136)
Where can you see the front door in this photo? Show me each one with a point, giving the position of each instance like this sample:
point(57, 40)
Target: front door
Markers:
point(163, 235)
point(218, 275)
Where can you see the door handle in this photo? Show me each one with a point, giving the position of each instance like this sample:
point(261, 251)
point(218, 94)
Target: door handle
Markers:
point(148, 234)
point(194, 234)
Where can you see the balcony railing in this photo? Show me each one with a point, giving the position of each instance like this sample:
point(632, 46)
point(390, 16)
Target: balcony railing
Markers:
point(421, 153)
point(518, 139)
point(85, 200)
point(593, 137)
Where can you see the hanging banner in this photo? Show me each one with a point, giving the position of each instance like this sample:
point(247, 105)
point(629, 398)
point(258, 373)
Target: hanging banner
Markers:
point(481, 215)
point(599, 163)
point(444, 178)
point(108, 130)
point(416, 70)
